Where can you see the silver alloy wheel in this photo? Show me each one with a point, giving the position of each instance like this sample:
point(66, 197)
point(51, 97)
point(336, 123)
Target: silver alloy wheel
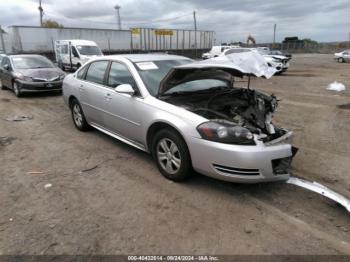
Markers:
point(168, 155)
point(77, 115)
point(0, 84)
point(16, 89)
point(341, 60)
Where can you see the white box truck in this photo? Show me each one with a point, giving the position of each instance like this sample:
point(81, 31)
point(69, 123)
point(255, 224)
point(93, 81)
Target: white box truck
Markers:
point(72, 54)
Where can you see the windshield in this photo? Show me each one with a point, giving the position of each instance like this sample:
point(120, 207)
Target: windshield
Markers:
point(89, 50)
point(31, 62)
point(152, 72)
point(198, 86)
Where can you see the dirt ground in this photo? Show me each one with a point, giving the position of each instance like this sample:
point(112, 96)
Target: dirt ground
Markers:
point(122, 205)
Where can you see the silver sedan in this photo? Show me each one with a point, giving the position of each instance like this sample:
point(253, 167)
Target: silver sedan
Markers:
point(188, 115)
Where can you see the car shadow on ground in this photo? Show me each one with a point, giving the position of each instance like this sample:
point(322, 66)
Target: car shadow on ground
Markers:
point(35, 94)
point(279, 195)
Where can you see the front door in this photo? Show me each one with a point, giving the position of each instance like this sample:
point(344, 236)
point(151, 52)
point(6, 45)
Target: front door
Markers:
point(124, 112)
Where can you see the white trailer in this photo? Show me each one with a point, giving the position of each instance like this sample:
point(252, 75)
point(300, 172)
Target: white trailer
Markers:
point(72, 54)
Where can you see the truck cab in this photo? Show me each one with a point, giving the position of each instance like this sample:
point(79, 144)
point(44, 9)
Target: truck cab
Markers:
point(72, 54)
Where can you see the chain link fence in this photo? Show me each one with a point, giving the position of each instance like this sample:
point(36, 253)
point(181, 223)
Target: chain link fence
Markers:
point(305, 47)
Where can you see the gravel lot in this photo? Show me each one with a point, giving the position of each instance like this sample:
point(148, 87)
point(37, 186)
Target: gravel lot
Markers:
point(122, 205)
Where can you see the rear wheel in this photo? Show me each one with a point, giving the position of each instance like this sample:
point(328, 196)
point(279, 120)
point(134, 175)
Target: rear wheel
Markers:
point(172, 156)
point(16, 89)
point(78, 116)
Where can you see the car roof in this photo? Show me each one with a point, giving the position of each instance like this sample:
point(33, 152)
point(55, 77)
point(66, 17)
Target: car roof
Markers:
point(148, 57)
point(26, 55)
point(77, 42)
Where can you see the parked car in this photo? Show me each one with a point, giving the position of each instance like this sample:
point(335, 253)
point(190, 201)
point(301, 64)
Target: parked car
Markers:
point(186, 114)
point(280, 63)
point(280, 53)
point(72, 54)
point(216, 51)
point(30, 73)
point(342, 57)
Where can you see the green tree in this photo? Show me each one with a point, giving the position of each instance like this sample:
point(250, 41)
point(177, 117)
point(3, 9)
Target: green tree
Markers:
point(310, 41)
point(51, 24)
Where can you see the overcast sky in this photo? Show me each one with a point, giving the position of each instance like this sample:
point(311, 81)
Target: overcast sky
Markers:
point(233, 20)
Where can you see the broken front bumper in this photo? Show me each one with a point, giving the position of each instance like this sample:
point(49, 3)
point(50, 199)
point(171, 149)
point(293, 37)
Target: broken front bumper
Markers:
point(244, 164)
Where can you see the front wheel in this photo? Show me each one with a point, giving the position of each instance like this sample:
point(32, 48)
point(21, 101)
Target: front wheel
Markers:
point(78, 116)
point(341, 60)
point(16, 89)
point(172, 156)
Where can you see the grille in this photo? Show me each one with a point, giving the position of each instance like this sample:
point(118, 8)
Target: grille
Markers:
point(45, 80)
point(237, 171)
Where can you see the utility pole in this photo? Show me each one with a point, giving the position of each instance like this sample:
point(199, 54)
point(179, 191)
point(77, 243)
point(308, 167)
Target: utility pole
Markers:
point(41, 10)
point(274, 35)
point(117, 8)
point(195, 32)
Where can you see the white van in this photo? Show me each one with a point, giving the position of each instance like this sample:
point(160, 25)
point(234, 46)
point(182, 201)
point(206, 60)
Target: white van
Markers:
point(72, 54)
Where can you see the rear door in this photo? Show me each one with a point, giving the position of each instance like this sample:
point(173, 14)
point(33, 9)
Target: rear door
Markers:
point(92, 92)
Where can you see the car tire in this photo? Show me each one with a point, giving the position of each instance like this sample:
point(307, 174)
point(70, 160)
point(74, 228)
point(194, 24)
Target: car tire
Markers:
point(16, 89)
point(171, 155)
point(78, 117)
point(341, 60)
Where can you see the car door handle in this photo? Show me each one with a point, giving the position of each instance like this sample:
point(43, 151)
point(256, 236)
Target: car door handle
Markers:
point(108, 96)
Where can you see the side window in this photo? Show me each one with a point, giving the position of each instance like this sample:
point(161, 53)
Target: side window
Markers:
point(5, 61)
point(64, 49)
point(96, 72)
point(75, 52)
point(120, 74)
point(82, 71)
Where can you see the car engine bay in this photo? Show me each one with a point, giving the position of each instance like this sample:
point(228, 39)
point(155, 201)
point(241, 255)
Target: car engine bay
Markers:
point(241, 106)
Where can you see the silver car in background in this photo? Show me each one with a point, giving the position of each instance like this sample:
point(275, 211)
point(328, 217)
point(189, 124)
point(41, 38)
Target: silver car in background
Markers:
point(188, 115)
point(342, 57)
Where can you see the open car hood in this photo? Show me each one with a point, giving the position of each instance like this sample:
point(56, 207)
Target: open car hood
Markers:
point(222, 68)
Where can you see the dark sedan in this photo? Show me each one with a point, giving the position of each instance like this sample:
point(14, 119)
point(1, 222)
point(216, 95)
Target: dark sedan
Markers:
point(30, 73)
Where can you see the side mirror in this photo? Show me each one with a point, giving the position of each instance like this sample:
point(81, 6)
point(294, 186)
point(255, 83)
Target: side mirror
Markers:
point(7, 67)
point(125, 89)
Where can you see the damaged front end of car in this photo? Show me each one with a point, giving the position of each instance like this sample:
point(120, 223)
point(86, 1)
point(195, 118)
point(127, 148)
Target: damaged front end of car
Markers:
point(233, 112)
point(235, 115)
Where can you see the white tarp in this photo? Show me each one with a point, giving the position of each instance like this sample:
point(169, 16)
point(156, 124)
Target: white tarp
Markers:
point(249, 63)
point(335, 86)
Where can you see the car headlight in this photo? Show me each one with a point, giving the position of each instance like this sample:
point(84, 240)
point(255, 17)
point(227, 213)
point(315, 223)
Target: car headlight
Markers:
point(62, 77)
point(20, 76)
point(227, 133)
